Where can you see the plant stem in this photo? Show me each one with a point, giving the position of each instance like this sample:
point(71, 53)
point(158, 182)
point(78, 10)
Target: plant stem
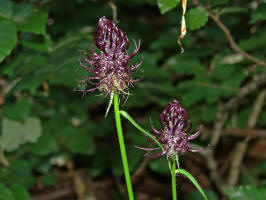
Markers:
point(173, 168)
point(122, 147)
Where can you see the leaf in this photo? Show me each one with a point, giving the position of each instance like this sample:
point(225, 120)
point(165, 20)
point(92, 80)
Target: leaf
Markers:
point(258, 14)
point(20, 192)
point(194, 195)
point(256, 41)
point(45, 145)
point(247, 192)
point(193, 180)
point(18, 111)
point(30, 19)
point(185, 65)
point(42, 43)
point(8, 38)
point(20, 173)
point(196, 18)
point(49, 179)
point(6, 8)
point(15, 133)
point(166, 5)
point(81, 143)
point(5, 193)
point(160, 165)
point(193, 96)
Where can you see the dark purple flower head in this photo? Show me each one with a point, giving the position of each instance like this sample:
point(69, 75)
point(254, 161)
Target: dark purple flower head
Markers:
point(109, 68)
point(174, 135)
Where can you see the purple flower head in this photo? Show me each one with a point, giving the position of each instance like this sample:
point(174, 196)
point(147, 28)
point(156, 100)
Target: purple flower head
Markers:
point(174, 135)
point(109, 68)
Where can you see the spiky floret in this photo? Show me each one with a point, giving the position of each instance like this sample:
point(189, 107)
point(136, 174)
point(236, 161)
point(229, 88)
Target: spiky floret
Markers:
point(109, 68)
point(174, 135)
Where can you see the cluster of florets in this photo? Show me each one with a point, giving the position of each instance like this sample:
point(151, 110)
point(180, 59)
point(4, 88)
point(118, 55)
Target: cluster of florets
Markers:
point(174, 135)
point(110, 70)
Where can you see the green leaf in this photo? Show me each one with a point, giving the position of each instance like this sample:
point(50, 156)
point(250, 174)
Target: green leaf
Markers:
point(247, 192)
point(6, 8)
point(45, 145)
point(18, 111)
point(49, 179)
point(258, 14)
point(166, 5)
point(254, 42)
point(211, 195)
point(20, 173)
point(81, 143)
point(15, 133)
point(160, 165)
point(193, 180)
point(30, 19)
point(196, 18)
point(20, 192)
point(42, 43)
point(8, 38)
point(185, 65)
point(5, 193)
point(193, 96)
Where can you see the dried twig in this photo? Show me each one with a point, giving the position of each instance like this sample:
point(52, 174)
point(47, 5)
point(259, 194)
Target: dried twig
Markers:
point(140, 170)
point(253, 133)
point(241, 147)
point(232, 42)
point(219, 124)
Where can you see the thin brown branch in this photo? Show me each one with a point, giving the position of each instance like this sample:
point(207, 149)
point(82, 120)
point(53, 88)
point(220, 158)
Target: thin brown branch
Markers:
point(241, 147)
point(229, 36)
point(238, 132)
point(140, 170)
point(219, 124)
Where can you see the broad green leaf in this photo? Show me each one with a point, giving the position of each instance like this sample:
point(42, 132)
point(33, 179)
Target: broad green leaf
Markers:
point(185, 65)
point(5, 193)
point(99, 164)
point(254, 42)
point(8, 38)
point(20, 192)
point(160, 165)
point(42, 43)
point(49, 179)
point(21, 173)
point(45, 145)
point(258, 14)
point(166, 5)
point(80, 143)
point(15, 133)
point(30, 19)
point(18, 111)
point(208, 113)
point(196, 18)
point(193, 96)
point(233, 10)
point(193, 180)
point(6, 8)
point(247, 192)
point(211, 195)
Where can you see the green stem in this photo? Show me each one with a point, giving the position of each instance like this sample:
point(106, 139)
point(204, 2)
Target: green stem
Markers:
point(122, 147)
point(174, 180)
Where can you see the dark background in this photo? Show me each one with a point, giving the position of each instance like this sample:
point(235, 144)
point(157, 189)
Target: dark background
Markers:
point(56, 144)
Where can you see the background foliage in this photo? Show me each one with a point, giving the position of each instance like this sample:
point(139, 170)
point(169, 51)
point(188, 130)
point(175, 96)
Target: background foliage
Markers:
point(48, 130)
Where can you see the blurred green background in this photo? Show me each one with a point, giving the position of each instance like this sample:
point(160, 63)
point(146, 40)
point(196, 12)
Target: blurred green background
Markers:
point(56, 144)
